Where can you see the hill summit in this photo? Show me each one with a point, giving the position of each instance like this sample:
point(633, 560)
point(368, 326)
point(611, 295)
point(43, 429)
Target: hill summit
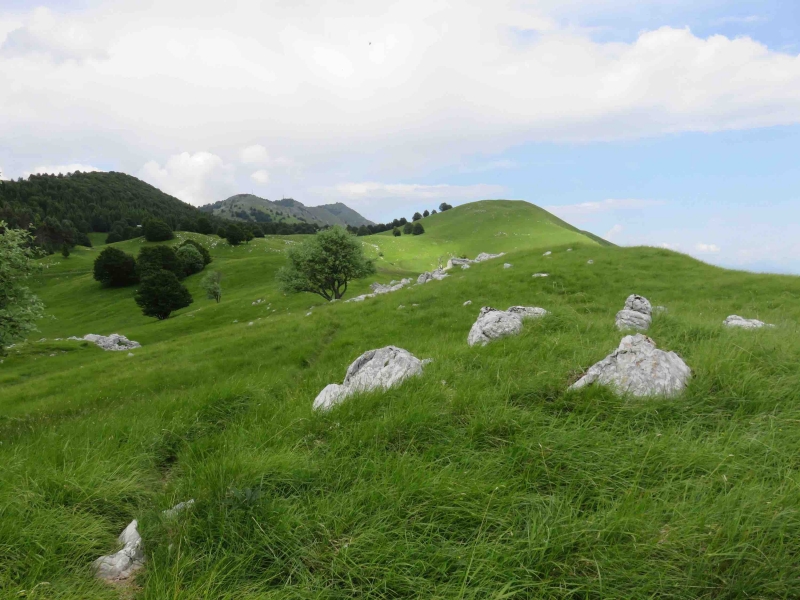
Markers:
point(248, 207)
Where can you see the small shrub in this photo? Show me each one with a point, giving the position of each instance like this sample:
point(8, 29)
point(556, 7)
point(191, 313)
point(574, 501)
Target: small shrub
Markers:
point(156, 230)
point(64, 250)
point(407, 228)
point(160, 293)
point(417, 229)
point(212, 284)
point(396, 232)
point(191, 259)
point(115, 268)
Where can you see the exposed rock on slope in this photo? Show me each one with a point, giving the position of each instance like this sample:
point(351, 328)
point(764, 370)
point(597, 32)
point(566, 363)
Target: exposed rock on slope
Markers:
point(123, 564)
point(636, 314)
point(379, 288)
point(737, 321)
point(113, 343)
point(493, 324)
point(382, 368)
point(637, 367)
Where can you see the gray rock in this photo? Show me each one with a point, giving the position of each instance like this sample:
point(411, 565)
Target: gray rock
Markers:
point(112, 343)
point(548, 253)
point(493, 324)
point(393, 286)
point(464, 267)
point(424, 278)
point(180, 507)
point(569, 249)
point(376, 369)
point(638, 368)
point(540, 275)
point(459, 261)
point(467, 303)
point(590, 262)
point(484, 256)
point(737, 321)
point(123, 564)
point(507, 265)
point(439, 274)
point(636, 314)
point(528, 312)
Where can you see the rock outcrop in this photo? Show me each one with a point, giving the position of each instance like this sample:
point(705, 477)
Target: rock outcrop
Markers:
point(638, 368)
point(123, 564)
point(112, 343)
point(637, 313)
point(376, 369)
point(427, 276)
point(737, 321)
point(540, 275)
point(493, 324)
point(380, 288)
point(507, 265)
point(484, 256)
point(548, 253)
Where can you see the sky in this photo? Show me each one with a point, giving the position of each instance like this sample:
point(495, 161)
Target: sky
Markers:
point(671, 123)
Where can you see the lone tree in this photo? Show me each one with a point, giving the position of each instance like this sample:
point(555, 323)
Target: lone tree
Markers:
point(234, 234)
point(416, 217)
point(426, 213)
point(212, 284)
point(418, 229)
point(444, 206)
point(160, 293)
point(191, 259)
point(114, 268)
point(396, 232)
point(325, 264)
point(19, 307)
point(156, 230)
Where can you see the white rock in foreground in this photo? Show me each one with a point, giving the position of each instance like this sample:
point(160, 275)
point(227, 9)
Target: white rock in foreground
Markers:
point(636, 314)
point(123, 564)
point(382, 368)
point(493, 324)
point(737, 321)
point(638, 368)
point(112, 343)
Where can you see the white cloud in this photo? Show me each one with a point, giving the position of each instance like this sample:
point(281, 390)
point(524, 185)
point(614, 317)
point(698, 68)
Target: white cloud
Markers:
point(258, 155)
point(260, 176)
point(197, 178)
point(44, 34)
point(61, 169)
point(613, 232)
point(566, 211)
point(707, 248)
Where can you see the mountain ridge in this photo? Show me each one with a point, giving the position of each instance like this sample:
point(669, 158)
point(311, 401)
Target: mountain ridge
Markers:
point(252, 208)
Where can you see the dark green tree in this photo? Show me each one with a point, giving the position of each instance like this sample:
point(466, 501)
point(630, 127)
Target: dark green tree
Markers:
point(65, 250)
point(115, 268)
point(234, 234)
point(407, 228)
point(418, 229)
point(325, 264)
point(156, 230)
point(396, 232)
point(426, 213)
point(191, 259)
point(160, 293)
point(203, 225)
point(444, 206)
point(416, 217)
point(156, 258)
point(200, 248)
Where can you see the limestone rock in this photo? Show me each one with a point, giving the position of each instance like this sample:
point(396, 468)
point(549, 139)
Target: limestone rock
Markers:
point(737, 321)
point(493, 324)
point(376, 369)
point(112, 343)
point(528, 312)
point(424, 278)
point(464, 267)
point(180, 507)
point(541, 275)
point(548, 253)
point(507, 265)
point(636, 314)
point(123, 564)
point(467, 303)
point(484, 256)
point(569, 249)
point(590, 262)
point(638, 368)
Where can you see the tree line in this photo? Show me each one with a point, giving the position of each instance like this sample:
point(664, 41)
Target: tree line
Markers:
point(398, 226)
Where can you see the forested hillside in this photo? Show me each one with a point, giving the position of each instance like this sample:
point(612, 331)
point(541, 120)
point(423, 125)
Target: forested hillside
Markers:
point(64, 208)
point(251, 208)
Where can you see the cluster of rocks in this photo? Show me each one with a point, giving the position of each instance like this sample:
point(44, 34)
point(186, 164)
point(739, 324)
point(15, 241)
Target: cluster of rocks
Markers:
point(493, 324)
point(379, 288)
point(112, 343)
point(464, 263)
point(119, 566)
point(427, 276)
point(376, 369)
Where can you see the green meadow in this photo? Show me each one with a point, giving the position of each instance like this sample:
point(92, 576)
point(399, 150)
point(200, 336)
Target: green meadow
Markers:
point(483, 478)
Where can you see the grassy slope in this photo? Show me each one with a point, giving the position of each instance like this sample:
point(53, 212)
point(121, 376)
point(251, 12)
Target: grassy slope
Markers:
point(483, 478)
point(487, 226)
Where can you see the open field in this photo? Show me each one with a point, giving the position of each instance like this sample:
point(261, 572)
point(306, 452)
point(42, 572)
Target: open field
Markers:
point(483, 478)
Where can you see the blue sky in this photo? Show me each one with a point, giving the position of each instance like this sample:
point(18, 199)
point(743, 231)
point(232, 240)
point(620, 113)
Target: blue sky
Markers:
point(669, 123)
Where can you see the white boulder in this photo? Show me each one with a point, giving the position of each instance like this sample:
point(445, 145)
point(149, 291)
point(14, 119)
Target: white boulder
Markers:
point(112, 343)
point(467, 303)
point(123, 564)
point(376, 369)
point(737, 321)
point(507, 265)
point(590, 262)
point(540, 275)
point(637, 313)
point(638, 368)
point(548, 253)
point(483, 256)
point(493, 324)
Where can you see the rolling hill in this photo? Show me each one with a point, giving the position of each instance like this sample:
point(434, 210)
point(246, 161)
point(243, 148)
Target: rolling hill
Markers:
point(247, 207)
point(485, 477)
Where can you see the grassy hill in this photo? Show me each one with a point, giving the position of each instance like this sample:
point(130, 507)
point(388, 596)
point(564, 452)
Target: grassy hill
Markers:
point(248, 207)
point(483, 478)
